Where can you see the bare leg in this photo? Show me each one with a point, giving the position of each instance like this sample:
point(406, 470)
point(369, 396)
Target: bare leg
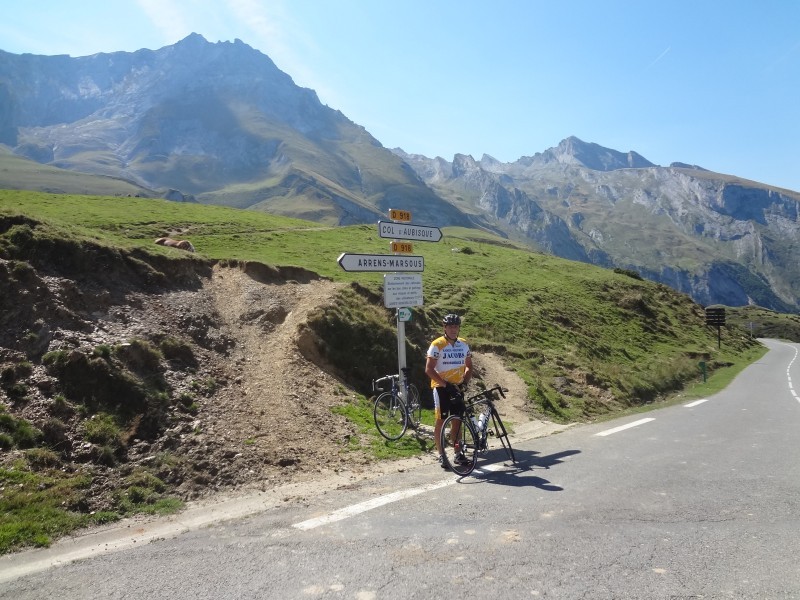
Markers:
point(455, 432)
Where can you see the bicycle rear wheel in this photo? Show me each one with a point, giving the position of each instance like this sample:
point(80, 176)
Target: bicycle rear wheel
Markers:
point(414, 406)
point(390, 416)
point(501, 433)
point(459, 444)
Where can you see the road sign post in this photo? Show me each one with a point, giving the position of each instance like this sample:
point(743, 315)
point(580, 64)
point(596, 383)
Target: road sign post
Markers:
point(716, 316)
point(399, 291)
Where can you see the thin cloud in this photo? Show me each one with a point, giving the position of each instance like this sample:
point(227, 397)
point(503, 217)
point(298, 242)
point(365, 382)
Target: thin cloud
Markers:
point(282, 39)
point(167, 17)
point(660, 56)
point(270, 25)
point(787, 58)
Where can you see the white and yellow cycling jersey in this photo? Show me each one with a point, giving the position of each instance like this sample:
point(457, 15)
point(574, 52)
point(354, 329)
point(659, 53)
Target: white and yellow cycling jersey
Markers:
point(451, 358)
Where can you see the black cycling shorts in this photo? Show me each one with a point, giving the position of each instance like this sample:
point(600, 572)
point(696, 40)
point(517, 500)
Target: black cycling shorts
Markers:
point(447, 403)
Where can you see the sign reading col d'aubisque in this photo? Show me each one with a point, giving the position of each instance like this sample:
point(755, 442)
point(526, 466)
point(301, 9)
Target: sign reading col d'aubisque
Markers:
point(402, 231)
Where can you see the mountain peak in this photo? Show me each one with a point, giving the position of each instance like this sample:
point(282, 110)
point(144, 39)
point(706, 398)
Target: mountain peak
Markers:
point(192, 38)
point(573, 150)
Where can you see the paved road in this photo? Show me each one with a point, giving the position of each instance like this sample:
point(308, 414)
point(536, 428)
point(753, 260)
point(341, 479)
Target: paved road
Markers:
point(691, 501)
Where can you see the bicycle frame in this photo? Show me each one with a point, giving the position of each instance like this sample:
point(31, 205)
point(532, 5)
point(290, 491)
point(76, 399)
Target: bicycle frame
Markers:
point(397, 409)
point(461, 438)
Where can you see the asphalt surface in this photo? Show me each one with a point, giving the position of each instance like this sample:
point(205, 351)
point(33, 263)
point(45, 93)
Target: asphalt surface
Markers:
point(695, 500)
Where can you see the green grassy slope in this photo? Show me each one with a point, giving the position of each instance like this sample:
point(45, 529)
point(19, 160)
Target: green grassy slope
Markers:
point(587, 340)
point(23, 174)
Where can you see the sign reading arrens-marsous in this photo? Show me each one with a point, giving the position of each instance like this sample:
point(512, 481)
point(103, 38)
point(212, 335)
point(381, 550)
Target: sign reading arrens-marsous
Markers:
point(381, 262)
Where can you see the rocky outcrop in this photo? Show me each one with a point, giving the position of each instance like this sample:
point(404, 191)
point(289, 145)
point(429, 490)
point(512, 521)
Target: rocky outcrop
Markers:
point(720, 239)
point(223, 125)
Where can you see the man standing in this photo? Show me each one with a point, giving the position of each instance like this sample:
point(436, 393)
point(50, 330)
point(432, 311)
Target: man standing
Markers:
point(449, 364)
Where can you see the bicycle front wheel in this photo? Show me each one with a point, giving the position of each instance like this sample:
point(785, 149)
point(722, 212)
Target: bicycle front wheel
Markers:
point(390, 416)
point(502, 434)
point(459, 444)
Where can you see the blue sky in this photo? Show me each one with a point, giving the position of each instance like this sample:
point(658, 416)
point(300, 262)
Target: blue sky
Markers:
point(712, 83)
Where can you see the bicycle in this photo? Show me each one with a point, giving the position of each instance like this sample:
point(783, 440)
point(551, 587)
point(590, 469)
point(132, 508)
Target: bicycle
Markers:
point(392, 414)
point(465, 435)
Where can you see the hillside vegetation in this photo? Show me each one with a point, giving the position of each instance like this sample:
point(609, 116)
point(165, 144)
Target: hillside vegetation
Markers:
point(586, 339)
point(21, 173)
point(588, 342)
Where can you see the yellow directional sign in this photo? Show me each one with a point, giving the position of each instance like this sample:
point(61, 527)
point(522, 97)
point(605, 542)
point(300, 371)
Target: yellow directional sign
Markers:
point(403, 247)
point(400, 215)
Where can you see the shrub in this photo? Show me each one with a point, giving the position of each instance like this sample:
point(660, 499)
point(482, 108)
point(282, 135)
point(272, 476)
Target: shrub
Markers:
point(8, 375)
point(42, 458)
point(54, 432)
point(102, 385)
point(17, 391)
point(145, 479)
point(107, 456)
point(103, 351)
point(21, 270)
point(60, 406)
point(7, 422)
point(178, 350)
point(55, 358)
point(207, 386)
point(139, 355)
point(628, 273)
point(102, 429)
point(26, 435)
point(20, 431)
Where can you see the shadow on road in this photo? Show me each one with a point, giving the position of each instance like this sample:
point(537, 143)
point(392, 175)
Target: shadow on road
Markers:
point(495, 467)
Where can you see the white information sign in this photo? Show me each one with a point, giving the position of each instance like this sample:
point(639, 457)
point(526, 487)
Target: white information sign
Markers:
point(402, 290)
point(404, 314)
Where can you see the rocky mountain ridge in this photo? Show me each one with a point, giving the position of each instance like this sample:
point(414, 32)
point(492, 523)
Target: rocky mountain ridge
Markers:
point(221, 124)
point(719, 238)
point(218, 123)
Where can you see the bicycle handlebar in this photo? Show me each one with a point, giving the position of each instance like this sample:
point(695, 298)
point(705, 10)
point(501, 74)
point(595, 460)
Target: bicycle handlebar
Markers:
point(485, 397)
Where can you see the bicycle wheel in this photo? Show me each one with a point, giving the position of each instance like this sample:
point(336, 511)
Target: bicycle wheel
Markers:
point(390, 416)
point(501, 433)
point(459, 444)
point(414, 406)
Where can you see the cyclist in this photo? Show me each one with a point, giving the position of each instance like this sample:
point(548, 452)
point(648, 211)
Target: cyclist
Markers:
point(449, 364)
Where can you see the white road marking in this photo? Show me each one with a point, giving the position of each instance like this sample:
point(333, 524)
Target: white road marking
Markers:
point(789, 374)
point(695, 403)
point(350, 511)
point(624, 427)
